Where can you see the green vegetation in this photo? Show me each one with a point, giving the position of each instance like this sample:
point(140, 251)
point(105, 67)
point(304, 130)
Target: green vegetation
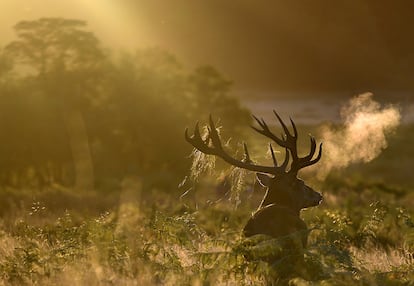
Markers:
point(139, 236)
point(78, 115)
point(91, 156)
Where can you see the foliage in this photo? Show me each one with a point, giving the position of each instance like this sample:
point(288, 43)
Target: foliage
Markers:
point(142, 243)
point(66, 100)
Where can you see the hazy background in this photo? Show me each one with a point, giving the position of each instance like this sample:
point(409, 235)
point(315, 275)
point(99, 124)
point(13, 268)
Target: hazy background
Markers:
point(183, 60)
point(268, 48)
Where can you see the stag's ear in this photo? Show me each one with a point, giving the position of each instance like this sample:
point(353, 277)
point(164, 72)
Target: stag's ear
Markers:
point(263, 179)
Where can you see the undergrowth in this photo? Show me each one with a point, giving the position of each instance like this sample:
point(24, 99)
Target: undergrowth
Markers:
point(141, 242)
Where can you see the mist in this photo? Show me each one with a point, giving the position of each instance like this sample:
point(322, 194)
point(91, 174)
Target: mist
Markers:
point(269, 49)
point(363, 135)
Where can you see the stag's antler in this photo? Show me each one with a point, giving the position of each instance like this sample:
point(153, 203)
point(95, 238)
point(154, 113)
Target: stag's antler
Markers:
point(212, 145)
point(289, 142)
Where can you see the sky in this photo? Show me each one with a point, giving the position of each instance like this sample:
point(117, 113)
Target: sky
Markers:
point(268, 48)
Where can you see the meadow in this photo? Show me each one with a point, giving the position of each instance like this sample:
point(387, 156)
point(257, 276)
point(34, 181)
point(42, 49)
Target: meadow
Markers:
point(133, 234)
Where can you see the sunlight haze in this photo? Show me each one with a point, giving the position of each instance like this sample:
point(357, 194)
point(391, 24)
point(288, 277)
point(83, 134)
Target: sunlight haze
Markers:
point(267, 48)
point(206, 142)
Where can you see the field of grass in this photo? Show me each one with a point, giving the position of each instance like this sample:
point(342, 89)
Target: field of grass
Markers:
point(362, 234)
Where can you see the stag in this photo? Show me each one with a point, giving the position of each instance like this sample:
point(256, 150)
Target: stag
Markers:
point(286, 194)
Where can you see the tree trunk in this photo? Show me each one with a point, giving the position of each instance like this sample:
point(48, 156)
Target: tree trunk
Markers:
point(79, 145)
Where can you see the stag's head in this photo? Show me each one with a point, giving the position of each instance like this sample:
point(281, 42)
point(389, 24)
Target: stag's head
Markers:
point(284, 188)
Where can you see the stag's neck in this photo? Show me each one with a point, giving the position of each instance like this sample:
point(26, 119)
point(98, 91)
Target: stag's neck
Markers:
point(268, 200)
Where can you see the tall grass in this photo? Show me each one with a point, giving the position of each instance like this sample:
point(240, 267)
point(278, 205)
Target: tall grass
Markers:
point(362, 234)
point(159, 240)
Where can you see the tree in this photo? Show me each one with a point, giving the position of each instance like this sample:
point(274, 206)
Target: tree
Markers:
point(211, 95)
point(119, 116)
point(67, 62)
point(146, 100)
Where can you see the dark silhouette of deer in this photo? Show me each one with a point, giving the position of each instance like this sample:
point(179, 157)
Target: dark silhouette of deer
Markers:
point(286, 194)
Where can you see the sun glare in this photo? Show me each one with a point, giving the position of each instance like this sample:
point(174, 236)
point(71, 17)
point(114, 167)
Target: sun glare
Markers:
point(113, 22)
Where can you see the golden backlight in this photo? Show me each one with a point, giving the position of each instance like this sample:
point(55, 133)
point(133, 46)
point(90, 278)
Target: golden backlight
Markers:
point(282, 48)
point(113, 21)
point(102, 183)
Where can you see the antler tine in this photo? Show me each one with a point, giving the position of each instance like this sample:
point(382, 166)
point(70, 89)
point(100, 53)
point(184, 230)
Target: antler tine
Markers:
point(262, 124)
point(283, 124)
point(246, 154)
point(286, 161)
point(273, 154)
point(295, 131)
point(290, 143)
point(314, 161)
point(312, 150)
point(257, 119)
point(319, 155)
point(266, 131)
point(306, 161)
point(215, 137)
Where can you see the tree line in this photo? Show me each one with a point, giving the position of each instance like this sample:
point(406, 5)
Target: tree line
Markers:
point(75, 113)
